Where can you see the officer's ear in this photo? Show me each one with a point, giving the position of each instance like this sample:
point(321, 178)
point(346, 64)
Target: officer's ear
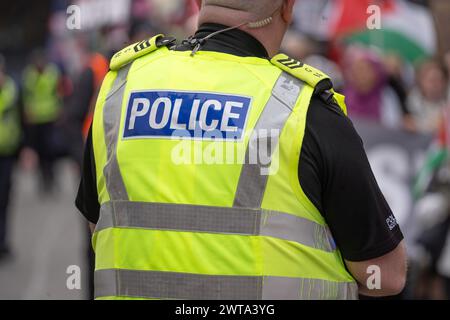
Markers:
point(199, 3)
point(287, 11)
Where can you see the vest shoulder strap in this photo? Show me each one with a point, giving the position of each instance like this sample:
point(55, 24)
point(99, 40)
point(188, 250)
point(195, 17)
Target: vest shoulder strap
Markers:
point(320, 81)
point(312, 76)
point(139, 49)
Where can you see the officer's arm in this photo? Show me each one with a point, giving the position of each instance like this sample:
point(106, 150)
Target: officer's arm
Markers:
point(353, 205)
point(87, 196)
point(392, 267)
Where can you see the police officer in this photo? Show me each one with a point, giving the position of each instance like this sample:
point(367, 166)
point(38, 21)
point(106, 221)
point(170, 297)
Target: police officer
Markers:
point(219, 169)
point(41, 110)
point(10, 133)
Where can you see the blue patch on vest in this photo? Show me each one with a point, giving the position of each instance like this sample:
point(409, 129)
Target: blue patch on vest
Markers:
point(175, 114)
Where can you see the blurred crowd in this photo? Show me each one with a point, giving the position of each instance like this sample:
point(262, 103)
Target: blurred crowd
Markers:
point(45, 112)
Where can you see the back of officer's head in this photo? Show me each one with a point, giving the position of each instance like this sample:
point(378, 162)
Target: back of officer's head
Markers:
point(261, 8)
point(236, 12)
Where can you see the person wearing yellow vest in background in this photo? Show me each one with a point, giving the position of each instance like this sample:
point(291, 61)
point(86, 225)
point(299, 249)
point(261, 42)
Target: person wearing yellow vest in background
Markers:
point(42, 104)
point(10, 136)
point(219, 169)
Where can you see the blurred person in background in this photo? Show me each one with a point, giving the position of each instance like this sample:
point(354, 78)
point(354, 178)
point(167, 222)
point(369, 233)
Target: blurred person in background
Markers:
point(395, 70)
point(10, 134)
point(297, 45)
point(77, 117)
point(41, 96)
point(443, 262)
point(366, 88)
point(430, 96)
point(142, 29)
point(432, 189)
point(77, 120)
point(433, 211)
point(313, 53)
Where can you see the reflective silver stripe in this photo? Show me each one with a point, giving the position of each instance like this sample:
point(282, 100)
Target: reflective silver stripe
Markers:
point(168, 285)
point(111, 122)
point(280, 288)
point(252, 183)
point(171, 285)
point(178, 217)
point(190, 218)
point(291, 228)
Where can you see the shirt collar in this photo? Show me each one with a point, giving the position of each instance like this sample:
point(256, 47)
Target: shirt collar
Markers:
point(235, 42)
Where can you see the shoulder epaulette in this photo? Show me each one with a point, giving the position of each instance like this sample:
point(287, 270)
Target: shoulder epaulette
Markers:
point(312, 76)
point(320, 81)
point(139, 49)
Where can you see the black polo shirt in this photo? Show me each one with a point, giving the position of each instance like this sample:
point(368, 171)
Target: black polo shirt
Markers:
point(333, 169)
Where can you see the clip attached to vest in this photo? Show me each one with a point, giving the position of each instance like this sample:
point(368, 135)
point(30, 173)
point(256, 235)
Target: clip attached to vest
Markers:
point(139, 49)
point(312, 76)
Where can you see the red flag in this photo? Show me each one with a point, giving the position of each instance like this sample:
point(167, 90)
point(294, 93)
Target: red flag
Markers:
point(352, 15)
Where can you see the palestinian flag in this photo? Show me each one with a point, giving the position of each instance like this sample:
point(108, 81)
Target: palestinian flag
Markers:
point(407, 29)
point(351, 16)
point(438, 155)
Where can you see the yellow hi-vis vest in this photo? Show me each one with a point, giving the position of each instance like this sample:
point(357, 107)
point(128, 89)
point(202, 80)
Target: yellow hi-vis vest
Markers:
point(178, 218)
point(42, 104)
point(10, 130)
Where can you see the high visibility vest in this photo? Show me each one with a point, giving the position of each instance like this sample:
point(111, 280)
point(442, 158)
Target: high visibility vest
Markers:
point(186, 210)
point(10, 130)
point(42, 104)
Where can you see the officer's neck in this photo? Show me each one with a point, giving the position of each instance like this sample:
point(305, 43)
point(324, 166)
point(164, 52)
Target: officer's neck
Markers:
point(236, 42)
point(269, 36)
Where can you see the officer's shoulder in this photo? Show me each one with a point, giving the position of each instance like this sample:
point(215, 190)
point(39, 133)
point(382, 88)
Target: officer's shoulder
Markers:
point(321, 82)
point(325, 103)
point(139, 49)
point(308, 74)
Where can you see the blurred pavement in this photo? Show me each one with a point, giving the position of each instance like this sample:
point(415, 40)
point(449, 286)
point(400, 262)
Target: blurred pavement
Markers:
point(46, 236)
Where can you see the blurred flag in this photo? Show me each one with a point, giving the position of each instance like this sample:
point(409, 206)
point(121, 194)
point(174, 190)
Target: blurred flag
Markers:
point(407, 29)
point(438, 155)
point(351, 15)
